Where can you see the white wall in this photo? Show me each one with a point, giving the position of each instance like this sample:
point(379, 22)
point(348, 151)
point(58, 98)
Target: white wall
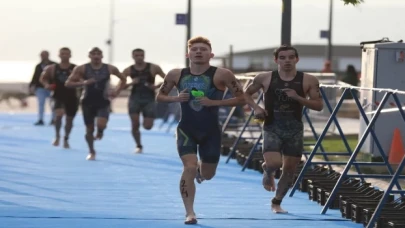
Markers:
point(241, 62)
point(307, 63)
point(311, 63)
point(356, 62)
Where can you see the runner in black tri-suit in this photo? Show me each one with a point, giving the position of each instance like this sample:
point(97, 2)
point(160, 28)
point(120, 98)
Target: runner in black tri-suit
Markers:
point(286, 92)
point(95, 103)
point(142, 97)
point(201, 87)
point(65, 99)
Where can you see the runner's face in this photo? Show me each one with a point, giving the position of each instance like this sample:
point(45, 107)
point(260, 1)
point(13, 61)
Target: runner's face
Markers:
point(287, 60)
point(138, 56)
point(200, 53)
point(64, 55)
point(96, 56)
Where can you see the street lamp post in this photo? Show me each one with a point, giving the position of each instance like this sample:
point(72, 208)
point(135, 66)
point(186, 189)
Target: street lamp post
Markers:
point(286, 22)
point(110, 41)
point(188, 29)
point(330, 31)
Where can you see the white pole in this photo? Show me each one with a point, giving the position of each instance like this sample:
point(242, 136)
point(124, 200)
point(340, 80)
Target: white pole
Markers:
point(111, 35)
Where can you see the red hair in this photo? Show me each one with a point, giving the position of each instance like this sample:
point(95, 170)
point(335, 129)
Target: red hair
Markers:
point(199, 39)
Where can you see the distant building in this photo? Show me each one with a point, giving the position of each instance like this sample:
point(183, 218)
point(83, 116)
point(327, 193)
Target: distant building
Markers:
point(312, 58)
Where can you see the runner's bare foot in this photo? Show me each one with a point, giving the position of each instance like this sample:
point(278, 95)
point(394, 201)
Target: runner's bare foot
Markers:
point(66, 144)
point(190, 220)
point(139, 150)
point(56, 142)
point(91, 156)
point(277, 209)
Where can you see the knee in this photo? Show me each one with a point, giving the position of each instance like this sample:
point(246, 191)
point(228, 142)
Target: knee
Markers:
point(212, 159)
point(274, 164)
point(190, 169)
point(208, 176)
point(209, 166)
point(273, 159)
point(101, 126)
point(147, 126)
point(271, 166)
point(59, 113)
point(286, 179)
point(89, 129)
point(289, 174)
point(69, 121)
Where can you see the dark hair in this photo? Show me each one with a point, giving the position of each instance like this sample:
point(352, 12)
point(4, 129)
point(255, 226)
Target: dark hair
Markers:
point(95, 49)
point(350, 68)
point(65, 49)
point(284, 47)
point(137, 50)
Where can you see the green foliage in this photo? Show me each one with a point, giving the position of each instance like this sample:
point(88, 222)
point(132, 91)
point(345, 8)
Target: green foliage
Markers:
point(353, 2)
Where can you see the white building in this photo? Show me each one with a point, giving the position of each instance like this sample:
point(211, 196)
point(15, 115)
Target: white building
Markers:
point(312, 58)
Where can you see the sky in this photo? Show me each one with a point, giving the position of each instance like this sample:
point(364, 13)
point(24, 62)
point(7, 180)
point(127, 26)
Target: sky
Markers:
point(30, 26)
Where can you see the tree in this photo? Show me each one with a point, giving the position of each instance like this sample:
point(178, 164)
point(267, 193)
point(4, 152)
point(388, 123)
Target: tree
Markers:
point(353, 2)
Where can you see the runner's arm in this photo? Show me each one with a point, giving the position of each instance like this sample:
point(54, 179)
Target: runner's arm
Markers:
point(168, 84)
point(162, 74)
point(253, 88)
point(122, 77)
point(127, 73)
point(46, 76)
point(76, 78)
point(315, 101)
point(234, 86)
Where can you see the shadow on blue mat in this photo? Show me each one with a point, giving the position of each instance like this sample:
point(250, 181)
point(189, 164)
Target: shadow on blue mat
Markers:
point(19, 193)
point(10, 157)
point(24, 174)
point(21, 140)
point(31, 185)
point(47, 187)
point(164, 219)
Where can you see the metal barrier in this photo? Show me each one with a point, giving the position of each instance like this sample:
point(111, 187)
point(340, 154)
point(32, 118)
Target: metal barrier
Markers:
point(258, 142)
point(313, 122)
point(394, 176)
point(330, 101)
point(320, 118)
